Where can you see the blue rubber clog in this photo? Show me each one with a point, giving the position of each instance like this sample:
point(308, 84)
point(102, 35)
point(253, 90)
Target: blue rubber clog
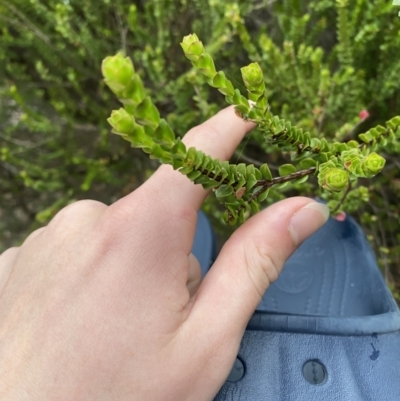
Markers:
point(327, 330)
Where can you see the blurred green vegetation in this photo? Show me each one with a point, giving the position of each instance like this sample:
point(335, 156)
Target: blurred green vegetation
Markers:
point(55, 143)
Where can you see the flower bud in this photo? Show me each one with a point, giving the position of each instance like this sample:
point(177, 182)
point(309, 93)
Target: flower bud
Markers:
point(121, 121)
point(352, 161)
point(335, 179)
point(192, 47)
point(118, 72)
point(252, 75)
point(363, 114)
point(373, 164)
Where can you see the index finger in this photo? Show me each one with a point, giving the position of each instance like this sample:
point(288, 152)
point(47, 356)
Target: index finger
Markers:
point(218, 137)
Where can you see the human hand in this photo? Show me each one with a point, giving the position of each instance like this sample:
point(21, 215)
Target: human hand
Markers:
point(107, 303)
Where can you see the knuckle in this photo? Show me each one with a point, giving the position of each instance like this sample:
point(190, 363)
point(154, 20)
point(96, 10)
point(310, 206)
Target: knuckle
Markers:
point(78, 211)
point(193, 135)
point(33, 235)
point(9, 253)
point(202, 130)
point(74, 224)
point(206, 136)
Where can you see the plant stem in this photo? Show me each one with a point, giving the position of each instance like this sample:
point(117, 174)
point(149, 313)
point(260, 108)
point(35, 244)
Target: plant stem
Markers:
point(266, 184)
point(342, 199)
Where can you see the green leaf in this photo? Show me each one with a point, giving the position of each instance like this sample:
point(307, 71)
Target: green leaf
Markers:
point(255, 208)
point(241, 108)
point(147, 114)
point(206, 65)
point(176, 164)
point(322, 157)
point(199, 159)
point(282, 186)
point(241, 182)
point(301, 180)
point(265, 171)
point(286, 169)
point(250, 170)
point(263, 196)
point(193, 175)
point(242, 216)
point(315, 143)
point(164, 135)
point(178, 151)
point(239, 99)
point(367, 137)
point(241, 169)
point(307, 163)
point(230, 217)
point(210, 184)
point(352, 144)
point(134, 92)
point(207, 164)
point(324, 147)
point(223, 191)
point(393, 123)
point(251, 181)
point(158, 153)
point(186, 170)
point(231, 178)
point(223, 84)
point(190, 156)
point(194, 51)
point(139, 138)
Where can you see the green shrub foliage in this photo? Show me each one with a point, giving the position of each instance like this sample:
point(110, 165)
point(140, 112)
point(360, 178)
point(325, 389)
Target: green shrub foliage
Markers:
point(321, 82)
point(240, 187)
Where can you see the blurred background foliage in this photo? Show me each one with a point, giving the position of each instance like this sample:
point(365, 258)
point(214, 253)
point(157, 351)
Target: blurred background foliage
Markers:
point(325, 61)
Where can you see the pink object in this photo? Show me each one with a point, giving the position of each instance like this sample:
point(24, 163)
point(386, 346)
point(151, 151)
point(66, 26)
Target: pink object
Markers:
point(341, 216)
point(363, 114)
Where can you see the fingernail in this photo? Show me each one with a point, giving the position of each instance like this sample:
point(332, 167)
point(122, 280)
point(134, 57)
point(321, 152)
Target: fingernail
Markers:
point(308, 220)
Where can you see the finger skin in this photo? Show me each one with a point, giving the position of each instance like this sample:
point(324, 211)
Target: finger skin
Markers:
point(7, 260)
point(218, 137)
point(250, 260)
point(195, 275)
point(168, 192)
point(101, 302)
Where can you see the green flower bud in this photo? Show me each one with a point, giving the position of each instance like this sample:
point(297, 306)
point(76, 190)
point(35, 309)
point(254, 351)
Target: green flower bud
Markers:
point(121, 121)
point(118, 72)
point(188, 40)
point(352, 161)
point(192, 47)
point(252, 75)
point(373, 164)
point(334, 179)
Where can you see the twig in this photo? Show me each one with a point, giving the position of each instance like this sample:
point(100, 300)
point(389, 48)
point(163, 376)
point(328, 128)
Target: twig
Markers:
point(256, 163)
point(122, 30)
point(266, 184)
point(348, 189)
point(27, 24)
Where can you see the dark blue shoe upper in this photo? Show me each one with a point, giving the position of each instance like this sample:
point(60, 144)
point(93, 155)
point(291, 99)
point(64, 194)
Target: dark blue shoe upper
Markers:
point(327, 330)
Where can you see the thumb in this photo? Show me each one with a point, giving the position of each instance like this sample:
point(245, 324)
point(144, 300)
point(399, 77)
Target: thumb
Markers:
point(250, 261)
